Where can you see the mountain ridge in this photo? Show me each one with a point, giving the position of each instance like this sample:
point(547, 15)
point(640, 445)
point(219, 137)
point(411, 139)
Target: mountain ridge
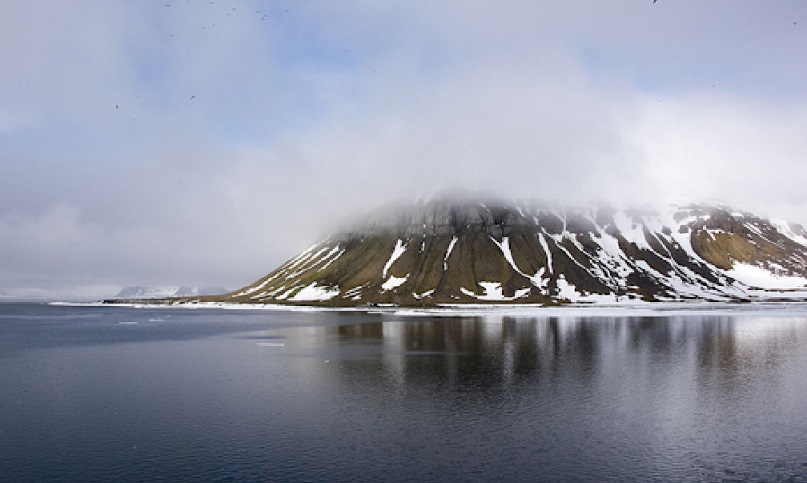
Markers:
point(162, 291)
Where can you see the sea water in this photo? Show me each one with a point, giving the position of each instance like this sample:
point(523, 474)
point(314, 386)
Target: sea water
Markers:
point(160, 394)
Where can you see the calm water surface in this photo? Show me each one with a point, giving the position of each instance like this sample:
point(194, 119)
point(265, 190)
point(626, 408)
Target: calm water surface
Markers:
point(111, 393)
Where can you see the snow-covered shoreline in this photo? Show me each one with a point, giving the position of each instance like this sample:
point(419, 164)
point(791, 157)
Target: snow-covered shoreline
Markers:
point(631, 309)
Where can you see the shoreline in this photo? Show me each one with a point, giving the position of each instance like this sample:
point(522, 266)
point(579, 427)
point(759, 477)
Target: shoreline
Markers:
point(777, 308)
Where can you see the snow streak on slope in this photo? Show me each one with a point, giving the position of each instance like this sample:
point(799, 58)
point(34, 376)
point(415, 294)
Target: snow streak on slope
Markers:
point(400, 248)
point(291, 281)
point(448, 252)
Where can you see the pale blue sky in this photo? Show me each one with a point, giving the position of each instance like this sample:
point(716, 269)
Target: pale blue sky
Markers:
point(204, 143)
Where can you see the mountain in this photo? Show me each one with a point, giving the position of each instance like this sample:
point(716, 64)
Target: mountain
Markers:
point(161, 291)
point(446, 251)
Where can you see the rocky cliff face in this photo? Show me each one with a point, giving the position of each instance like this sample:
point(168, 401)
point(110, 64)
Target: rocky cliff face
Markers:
point(457, 252)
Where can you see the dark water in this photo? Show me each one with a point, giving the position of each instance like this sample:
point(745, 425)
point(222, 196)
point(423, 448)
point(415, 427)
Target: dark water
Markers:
point(109, 394)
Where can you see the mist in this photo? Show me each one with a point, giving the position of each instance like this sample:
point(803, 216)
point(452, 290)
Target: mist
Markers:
point(204, 143)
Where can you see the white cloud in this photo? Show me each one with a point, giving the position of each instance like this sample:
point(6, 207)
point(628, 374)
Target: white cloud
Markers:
point(238, 139)
point(749, 154)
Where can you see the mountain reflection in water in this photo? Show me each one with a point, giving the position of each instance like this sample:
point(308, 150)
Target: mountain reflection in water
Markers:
point(500, 352)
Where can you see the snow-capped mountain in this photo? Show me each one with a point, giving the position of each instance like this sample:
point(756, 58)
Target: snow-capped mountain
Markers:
point(457, 252)
point(161, 291)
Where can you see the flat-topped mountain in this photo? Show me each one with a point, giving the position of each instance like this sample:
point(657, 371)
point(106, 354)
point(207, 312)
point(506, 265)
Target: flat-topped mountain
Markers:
point(447, 251)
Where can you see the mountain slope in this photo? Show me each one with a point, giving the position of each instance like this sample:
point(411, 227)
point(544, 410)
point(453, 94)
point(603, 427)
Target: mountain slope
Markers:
point(449, 252)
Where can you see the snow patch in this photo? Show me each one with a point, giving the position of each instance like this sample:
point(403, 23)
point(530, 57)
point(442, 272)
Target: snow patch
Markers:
point(427, 293)
point(315, 292)
point(754, 276)
point(394, 282)
point(493, 292)
point(569, 291)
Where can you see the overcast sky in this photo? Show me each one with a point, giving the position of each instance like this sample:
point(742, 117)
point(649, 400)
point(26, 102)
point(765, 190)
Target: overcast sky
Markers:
point(178, 142)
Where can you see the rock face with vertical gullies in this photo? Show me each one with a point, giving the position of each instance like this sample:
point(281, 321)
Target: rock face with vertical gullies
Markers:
point(460, 251)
